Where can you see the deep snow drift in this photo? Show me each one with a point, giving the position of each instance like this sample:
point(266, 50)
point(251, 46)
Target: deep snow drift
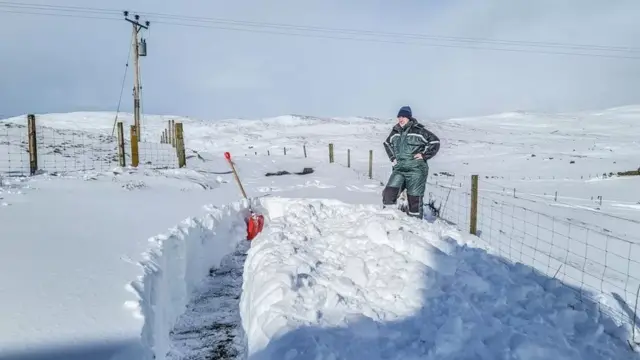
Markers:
point(334, 281)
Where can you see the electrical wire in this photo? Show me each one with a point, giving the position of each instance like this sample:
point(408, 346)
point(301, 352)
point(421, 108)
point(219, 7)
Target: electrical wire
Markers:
point(325, 29)
point(124, 78)
point(392, 34)
point(330, 33)
point(81, 9)
point(519, 50)
point(58, 15)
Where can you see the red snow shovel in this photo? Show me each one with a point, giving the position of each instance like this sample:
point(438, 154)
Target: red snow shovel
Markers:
point(255, 222)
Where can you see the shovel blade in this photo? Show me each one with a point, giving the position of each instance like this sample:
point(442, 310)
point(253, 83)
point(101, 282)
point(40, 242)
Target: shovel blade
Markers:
point(255, 224)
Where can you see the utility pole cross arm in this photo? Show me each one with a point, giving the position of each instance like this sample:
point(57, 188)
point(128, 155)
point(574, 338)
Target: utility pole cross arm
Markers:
point(136, 21)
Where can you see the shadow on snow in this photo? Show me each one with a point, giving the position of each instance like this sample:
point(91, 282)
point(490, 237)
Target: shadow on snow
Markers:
point(488, 309)
point(103, 350)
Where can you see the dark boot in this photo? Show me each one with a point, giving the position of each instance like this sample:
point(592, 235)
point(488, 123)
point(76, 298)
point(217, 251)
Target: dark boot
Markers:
point(416, 209)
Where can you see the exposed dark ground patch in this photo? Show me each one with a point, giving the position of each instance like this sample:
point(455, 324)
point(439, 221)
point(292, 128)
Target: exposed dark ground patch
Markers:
point(210, 328)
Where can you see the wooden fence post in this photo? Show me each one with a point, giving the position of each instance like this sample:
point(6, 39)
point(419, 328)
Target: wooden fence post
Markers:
point(331, 153)
point(33, 144)
point(370, 164)
point(175, 139)
point(135, 156)
point(121, 153)
point(304, 148)
point(285, 150)
point(172, 133)
point(182, 158)
point(473, 222)
point(348, 158)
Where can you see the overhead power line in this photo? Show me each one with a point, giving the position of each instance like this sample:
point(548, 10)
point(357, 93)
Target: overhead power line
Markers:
point(556, 48)
point(325, 29)
point(392, 34)
point(400, 42)
point(82, 9)
point(54, 14)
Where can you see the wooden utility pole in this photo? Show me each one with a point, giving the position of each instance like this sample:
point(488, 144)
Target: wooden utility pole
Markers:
point(139, 49)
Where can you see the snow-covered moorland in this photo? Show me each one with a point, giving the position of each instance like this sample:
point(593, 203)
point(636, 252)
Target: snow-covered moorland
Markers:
point(337, 278)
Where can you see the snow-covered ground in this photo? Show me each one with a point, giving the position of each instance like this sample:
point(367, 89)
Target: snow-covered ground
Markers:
point(78, 240)
point(70, 244)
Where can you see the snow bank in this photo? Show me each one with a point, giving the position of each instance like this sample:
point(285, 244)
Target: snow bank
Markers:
point(335, 281)
point(176, 264)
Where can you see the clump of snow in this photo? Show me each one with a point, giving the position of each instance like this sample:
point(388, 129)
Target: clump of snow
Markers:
point(335, 281)
point(176, 264)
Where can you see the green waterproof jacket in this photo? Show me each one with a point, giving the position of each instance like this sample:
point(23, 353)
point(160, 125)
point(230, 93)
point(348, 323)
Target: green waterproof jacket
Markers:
point(404, 142)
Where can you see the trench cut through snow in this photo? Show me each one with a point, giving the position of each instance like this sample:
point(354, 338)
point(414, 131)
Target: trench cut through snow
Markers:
point(210, 327)
point(327, 280)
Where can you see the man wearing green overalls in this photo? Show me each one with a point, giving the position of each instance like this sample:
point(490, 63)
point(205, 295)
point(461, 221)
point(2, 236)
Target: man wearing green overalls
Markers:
point(409, 146)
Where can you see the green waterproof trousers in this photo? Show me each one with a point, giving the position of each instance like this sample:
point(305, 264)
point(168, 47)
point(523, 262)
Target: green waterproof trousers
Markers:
point(410, 175)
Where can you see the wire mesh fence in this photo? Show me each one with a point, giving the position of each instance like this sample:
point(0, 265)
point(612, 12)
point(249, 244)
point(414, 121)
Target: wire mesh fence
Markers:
point(63, 151)
point(597, 265)
point(52, 150)
point(14, 156)
point(156, 155)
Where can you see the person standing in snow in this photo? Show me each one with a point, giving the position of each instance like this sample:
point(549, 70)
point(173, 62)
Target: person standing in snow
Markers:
point(409, 146)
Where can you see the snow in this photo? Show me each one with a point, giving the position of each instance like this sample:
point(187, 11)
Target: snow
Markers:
point(210, 326)
point(336, 281)
point(76, 243)
point(135, 262)
point(177, 264)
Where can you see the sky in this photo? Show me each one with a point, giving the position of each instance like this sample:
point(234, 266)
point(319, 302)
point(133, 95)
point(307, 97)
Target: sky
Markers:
point(65, 64)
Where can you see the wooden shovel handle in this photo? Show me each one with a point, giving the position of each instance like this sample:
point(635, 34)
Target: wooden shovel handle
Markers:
point(235, 174)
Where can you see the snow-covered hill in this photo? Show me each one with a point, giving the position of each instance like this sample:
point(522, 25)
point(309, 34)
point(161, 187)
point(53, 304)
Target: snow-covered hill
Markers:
point(559, 159)
point(92, 230)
